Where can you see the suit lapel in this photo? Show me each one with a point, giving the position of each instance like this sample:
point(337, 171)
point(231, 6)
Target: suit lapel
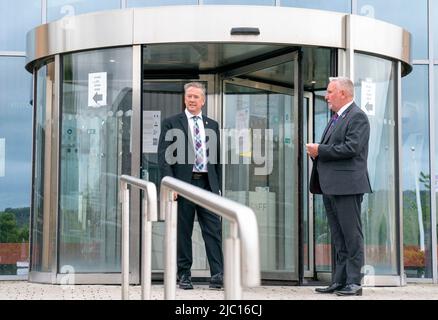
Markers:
point(338, 123)
point(184, 123)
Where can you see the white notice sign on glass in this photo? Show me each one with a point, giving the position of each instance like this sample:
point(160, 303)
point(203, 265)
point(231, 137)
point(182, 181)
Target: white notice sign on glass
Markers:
point(2, 157)
point(97, 89)
point(368, 97)
point(151, 131)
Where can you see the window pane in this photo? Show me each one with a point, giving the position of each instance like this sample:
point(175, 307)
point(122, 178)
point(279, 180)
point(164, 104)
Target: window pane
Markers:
point(411, 15)
point(15, 163)
point(57, 9)
point(416, 174)
point(154, 3)
point(242, 2)
point(16, 18)
point(379, 208)
point(95, 151)
point(332, 5)
point(434, 22)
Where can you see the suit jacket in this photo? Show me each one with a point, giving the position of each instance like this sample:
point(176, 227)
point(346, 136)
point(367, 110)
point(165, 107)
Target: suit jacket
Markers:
point(182, 154)
point(341, 165)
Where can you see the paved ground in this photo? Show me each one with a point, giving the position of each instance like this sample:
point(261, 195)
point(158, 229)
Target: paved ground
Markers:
point(22, 290)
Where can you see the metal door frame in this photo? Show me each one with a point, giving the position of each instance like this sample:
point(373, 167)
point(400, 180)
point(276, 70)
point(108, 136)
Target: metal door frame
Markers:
point(231, 77)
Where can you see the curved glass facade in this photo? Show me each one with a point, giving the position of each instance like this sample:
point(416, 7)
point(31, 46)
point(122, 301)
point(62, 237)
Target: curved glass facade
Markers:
point(379, 214)
point(415, 18)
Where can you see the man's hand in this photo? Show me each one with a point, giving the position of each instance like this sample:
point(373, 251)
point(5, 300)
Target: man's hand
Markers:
point(312, 149)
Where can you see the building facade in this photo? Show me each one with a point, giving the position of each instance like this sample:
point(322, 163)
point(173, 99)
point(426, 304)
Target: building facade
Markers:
point(413, 211)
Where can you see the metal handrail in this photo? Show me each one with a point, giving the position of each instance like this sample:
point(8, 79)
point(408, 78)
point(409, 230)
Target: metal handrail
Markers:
point(149, 215)
point(243, 223)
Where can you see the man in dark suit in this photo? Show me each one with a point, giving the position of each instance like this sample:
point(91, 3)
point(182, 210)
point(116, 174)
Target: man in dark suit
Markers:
point(189, 150)
point(340, 174)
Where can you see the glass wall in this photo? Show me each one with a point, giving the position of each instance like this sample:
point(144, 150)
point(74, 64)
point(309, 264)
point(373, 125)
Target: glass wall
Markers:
point(332, 5)
point(435, 106)
point(408, 14)
point(15, 165)
point(56, 9)
point(41, 244)
point(416, 173)
point(155, 3)
point(251, 114)
point(434, 30)
point(322, 233)
point(95, 150)
point(375, 93)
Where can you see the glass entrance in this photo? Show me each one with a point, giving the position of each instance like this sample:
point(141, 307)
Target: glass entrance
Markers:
point(260, 156)
point(162, 99)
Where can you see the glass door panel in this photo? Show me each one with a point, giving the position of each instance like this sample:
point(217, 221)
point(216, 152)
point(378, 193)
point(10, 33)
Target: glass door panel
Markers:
point(260, 131)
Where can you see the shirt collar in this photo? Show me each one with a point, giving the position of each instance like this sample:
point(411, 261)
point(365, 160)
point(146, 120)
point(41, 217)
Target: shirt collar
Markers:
point(189, 115)
point(341, 111)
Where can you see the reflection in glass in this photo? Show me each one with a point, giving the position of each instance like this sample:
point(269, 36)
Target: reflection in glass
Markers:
point(41, 244)
point(192, 57)
point(95, 150)
point(379, 208)
point(155, 3)
point(416, 174)
point(15, 164)
point(16, 18)
point(253, 113)
point(411, 15)
point(57, 9)
point(436, 135)
point(332, 5)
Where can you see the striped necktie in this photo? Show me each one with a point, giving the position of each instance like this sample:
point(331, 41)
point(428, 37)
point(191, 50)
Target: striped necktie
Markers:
point(333, 122)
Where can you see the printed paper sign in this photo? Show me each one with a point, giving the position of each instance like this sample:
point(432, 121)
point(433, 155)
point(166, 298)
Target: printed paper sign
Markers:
point(151, 131)
point(97, 89)
point(368, 97)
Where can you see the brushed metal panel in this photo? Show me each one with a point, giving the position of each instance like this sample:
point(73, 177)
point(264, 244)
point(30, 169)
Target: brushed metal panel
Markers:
point(183, 24)
point(214, 23)
point(379, 37)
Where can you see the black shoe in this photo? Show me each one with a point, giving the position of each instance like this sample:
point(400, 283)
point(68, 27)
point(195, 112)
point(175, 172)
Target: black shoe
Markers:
point(350, 290)
point(217, 281)
point(185, 282)
point(331, 288)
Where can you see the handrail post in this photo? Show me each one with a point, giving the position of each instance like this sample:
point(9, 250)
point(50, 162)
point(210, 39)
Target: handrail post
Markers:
point(232, 279)
point(125, 240)
point(146, 257)
point(149, 214)
point(243, 241)
point(170, 247)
